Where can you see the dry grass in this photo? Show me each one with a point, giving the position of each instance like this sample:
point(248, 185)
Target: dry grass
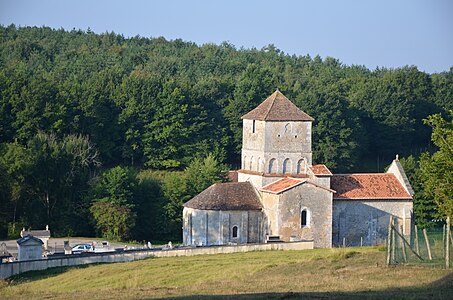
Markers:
point(322, 273)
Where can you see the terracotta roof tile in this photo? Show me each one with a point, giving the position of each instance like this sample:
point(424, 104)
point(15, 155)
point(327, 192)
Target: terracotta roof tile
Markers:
point(368, 186)
point(287, 183)
point(320, 170)
point(281, 185)
point(227, 196)
point(277, 108)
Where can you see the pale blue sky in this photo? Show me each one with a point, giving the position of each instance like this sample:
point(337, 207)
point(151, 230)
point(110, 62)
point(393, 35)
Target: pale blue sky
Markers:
point(385, 33)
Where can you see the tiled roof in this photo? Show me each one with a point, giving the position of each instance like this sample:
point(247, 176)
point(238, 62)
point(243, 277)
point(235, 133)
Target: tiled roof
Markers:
point(320, 170)
point(368, 186)
point(277, 108)
point(233, 176)
point(287, 183)
point(227, 196)
point(281, 185)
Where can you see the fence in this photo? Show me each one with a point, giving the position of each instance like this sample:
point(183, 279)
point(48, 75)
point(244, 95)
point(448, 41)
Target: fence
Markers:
point(424, 247)
point(18, 267)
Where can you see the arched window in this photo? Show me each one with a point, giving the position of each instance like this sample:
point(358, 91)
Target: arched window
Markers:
point(272, 166)
point(305, 218)
point(287, 166)
point(301, 166)
point(244, 163)
point(235, 231)
point(258, 165)
point(251, 164)
point(253, 127)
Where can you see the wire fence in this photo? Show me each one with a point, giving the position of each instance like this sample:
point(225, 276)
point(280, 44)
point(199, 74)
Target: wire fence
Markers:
point(423, 247)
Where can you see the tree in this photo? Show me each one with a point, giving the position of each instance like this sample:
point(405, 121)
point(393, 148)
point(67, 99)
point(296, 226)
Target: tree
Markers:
point(201, 173)
point(425, 209)
point(179, 187)
point(437, 169)
point(112, 202)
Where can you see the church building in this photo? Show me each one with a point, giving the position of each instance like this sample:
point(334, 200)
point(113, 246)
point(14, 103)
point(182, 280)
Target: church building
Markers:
point(280, 195)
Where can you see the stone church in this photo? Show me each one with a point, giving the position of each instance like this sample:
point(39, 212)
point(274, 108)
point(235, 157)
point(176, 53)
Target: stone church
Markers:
point(280, 195)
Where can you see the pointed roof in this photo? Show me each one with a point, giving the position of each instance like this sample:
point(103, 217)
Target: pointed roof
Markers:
point(277, 108)
point(227, 196)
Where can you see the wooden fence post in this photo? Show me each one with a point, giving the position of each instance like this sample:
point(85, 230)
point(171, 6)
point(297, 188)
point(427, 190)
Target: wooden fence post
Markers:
point(425, 234)
point(393, 241)
point(407, 243)
point(443, 241)
point(447, 250)
point(403, 246)
point(389, 240)
point(417, 247)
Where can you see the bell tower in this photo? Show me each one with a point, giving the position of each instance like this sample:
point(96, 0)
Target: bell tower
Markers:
point(276, 139)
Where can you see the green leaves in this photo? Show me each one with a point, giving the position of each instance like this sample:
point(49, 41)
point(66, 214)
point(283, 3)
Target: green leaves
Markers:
point(437, 169)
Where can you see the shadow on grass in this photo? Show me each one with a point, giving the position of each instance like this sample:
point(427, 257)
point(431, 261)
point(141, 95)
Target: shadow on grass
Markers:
point(440, 289)
point(42, 274)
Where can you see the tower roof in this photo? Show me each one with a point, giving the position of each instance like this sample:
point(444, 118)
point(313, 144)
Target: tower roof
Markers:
point(277, 108)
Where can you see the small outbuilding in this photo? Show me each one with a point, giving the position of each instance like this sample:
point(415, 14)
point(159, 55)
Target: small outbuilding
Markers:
point(30, 248)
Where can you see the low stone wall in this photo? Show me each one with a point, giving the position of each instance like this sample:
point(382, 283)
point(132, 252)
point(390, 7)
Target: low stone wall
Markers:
point(18, 267)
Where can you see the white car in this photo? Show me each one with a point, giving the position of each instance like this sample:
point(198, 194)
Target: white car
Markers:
point(77, 249)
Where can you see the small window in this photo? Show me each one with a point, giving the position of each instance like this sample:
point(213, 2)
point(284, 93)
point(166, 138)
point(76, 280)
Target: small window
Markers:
point(235, 231)
point(253, 127)
point(304, 218)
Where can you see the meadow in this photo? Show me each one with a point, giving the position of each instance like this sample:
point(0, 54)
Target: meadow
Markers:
point(352, 273)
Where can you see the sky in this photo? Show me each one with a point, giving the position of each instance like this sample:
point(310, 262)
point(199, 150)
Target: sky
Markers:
point(385, 33)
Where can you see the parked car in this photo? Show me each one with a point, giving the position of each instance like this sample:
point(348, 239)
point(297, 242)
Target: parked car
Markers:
point(77, 249)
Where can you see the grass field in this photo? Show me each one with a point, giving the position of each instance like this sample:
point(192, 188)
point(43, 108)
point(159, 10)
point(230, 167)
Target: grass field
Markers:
point(355, 273)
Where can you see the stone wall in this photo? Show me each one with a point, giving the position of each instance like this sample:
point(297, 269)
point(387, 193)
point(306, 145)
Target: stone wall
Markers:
point(213, 227)
point(257, 180)
point(287, 144)
point(318, 203)
point(356, 220)
point(10, 269)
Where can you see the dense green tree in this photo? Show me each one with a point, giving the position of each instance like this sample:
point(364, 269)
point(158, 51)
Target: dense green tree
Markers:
point(425, 209)
point(161, 103)
point(179, 187)
point(437, 169)
point(112, 202)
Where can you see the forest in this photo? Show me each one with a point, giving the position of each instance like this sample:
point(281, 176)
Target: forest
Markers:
point(106, 135)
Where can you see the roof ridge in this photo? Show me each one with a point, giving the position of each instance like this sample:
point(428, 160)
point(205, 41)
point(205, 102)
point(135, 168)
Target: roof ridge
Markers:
point(270, 106)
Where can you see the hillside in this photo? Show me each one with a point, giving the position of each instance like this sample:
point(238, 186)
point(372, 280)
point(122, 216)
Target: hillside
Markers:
point(354, 273)
point(95, 123)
